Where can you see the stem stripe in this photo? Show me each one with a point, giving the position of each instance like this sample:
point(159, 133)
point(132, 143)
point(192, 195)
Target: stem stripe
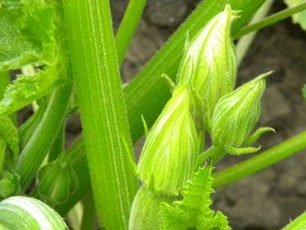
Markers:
point(102, 109)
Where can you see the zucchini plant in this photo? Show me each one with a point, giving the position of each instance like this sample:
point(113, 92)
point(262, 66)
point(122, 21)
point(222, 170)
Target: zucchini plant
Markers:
point(68, 59)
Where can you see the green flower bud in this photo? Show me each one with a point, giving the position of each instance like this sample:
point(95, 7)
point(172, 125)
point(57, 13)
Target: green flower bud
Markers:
point(209, 64)
point(236, 114)
point(57, 181)
point(170, 152)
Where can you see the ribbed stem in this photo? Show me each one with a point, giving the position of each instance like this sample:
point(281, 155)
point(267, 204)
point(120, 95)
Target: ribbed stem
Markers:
point(102, 109)
point(42, 139)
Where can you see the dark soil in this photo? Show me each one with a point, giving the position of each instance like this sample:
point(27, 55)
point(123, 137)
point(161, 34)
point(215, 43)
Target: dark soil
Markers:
point(269, 199)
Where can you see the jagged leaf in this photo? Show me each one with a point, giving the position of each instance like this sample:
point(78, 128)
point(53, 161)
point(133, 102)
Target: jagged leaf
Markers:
point(32, 34)
point(26, 89)
point(15, 50)
point(299, 18)
point(193, 212)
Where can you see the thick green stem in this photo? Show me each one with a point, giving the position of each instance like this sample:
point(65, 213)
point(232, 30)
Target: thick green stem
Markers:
point(297, 224)
point(271, 20)
point(58, 144)
point(102, 109)
point(128, 26)
point(28, 128)
point(261, 161)
point(42, 139)
point(89, 214)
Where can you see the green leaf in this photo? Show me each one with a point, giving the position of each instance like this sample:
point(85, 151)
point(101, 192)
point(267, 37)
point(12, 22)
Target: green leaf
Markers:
point(9, 184)
point(27, 89)
point(193, 212)
point(15, 50)
point(9, 137)
point(304, 92)
point(31, 35)
point(299, 18)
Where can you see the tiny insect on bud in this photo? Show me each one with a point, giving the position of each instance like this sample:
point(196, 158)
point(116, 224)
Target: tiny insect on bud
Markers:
point(209, 64)
point(236, 114)
point(170, 152)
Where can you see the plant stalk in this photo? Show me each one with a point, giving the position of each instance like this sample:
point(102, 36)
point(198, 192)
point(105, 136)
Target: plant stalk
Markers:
point(42, 139)
point(128, 26)
point(297, 224)
point(271, 20)
point(260, 161)
point(102, 109)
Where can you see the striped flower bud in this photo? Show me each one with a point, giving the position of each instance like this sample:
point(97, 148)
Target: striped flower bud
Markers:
point(20, 213)
point(236, 114)
point(57, 181)
point(170, 152)
point(209, 64)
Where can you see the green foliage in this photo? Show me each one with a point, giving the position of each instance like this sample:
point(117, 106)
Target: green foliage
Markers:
point(9, 141)
point(304, 92)
point(299, 18)
point(32, 35)
point(193, 211)
point(173, 196)
point(9, 184)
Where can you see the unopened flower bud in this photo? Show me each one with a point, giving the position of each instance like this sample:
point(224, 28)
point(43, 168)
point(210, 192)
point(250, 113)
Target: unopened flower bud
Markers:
point(236, 114)
point(209, 64)
point(57, 182)
point(170, 152)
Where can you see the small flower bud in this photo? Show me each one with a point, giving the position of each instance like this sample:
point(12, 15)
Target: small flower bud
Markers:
point(209, 64)
point(57, 181)
point(236, 114)
point(170, 152)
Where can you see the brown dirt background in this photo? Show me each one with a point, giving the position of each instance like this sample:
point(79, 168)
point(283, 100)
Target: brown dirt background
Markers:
point(269, 199)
